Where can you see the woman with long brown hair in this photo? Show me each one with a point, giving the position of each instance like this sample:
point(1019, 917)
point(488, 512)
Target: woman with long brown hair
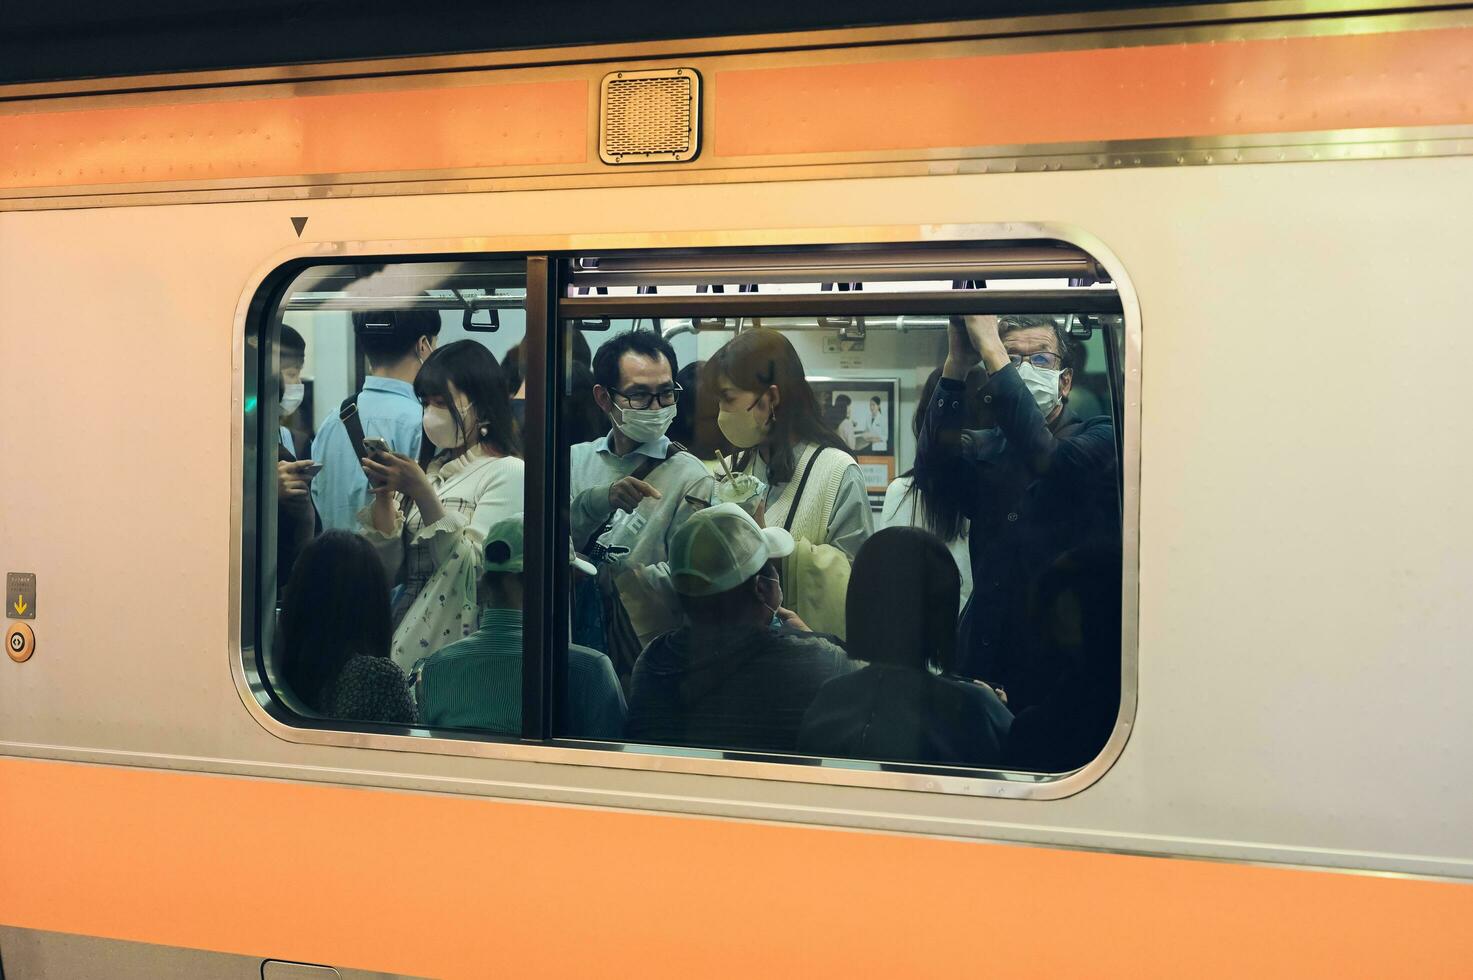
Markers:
point(814, 486)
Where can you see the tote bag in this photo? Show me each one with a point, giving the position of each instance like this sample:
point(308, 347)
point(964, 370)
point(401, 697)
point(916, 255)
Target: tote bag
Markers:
point(444, 611)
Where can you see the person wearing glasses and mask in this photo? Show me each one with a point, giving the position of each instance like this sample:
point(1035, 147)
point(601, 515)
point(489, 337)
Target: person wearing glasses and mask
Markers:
point(1035, 482)
point(633, 488)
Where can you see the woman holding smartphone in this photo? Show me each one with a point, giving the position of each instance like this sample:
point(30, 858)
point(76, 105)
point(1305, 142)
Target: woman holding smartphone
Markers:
point(428, 518)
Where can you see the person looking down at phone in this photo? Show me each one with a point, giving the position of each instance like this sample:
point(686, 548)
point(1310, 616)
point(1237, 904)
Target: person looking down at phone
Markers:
point(296, 518)
point(397, 343)
point(429, 517)
point(630, 487)
point(1035, 482)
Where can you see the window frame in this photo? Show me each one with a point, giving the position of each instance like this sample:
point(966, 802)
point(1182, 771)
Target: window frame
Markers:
point(547, 606)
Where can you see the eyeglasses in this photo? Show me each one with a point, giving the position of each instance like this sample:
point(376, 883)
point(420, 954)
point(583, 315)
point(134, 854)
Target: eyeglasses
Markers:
point(639, 398)
point(1043, 360)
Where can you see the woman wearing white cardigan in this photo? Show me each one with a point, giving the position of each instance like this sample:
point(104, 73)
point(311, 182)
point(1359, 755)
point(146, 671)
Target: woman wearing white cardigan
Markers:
point(429, 518)
point(814, 486)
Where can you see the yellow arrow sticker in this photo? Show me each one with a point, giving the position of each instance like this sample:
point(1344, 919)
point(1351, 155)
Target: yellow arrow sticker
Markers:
point(20, 590)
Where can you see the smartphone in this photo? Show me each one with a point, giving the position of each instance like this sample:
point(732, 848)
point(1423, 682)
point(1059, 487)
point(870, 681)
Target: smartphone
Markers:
point(310, 471)
point(373, 444)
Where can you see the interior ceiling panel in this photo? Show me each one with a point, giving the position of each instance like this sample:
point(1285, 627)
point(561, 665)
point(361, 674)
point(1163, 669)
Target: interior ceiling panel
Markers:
point(48, 41)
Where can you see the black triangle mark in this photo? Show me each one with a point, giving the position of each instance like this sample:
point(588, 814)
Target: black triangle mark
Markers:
point(299, 224)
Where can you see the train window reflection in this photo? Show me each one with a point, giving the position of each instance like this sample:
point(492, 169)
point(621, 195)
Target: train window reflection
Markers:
point(884, 539)
point(871, 518)
point(399, 450)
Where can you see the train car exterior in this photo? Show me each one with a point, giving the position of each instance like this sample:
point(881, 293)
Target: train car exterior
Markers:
point(1274, 193)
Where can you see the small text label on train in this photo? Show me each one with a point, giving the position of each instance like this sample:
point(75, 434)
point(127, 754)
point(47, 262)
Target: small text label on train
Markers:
point(20, 595)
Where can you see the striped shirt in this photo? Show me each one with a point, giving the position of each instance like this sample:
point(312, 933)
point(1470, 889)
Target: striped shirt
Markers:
point(477, 683)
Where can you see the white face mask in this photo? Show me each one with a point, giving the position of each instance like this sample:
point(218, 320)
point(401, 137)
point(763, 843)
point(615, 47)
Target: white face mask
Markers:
point(741, 427)
point(1043, 385)
point(643, 424)
point(291, 397)
point(440, 428)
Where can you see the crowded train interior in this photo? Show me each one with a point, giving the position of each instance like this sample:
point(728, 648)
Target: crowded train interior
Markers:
point(851, 507)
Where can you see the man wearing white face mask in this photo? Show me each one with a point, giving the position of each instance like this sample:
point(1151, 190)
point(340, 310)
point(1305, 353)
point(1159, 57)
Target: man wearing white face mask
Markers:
point(1035, 481)
point(633, 489)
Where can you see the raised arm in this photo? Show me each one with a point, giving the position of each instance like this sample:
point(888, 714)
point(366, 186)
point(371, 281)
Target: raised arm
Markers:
point(1020, 420)
point(941, 471)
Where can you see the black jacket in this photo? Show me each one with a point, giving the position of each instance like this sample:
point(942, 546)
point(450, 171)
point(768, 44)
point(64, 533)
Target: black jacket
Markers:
point(906, 714)
point(1032, 491)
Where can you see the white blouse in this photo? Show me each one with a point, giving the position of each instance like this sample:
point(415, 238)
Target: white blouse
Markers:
point(475, 491)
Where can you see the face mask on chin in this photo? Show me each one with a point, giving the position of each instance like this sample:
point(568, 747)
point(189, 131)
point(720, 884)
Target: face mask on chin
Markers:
point(291, 397)
point(1043, 385)
point(741, 427)
point(643, 424)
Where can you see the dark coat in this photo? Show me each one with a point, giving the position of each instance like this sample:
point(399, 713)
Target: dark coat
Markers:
point(1032, 491)
point(906, 714)
point(747, 691)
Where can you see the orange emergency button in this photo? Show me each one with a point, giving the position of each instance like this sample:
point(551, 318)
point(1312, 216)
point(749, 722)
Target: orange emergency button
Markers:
point(20, 642)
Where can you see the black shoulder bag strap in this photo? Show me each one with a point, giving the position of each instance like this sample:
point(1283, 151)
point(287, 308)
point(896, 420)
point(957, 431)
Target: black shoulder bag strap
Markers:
point(646, 466)
point(798, 497)
point(348, 415)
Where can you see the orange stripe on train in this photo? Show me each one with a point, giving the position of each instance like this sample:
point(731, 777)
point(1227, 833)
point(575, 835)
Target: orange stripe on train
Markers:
point(1369, 81)
point(450, 886)
point(525, 124)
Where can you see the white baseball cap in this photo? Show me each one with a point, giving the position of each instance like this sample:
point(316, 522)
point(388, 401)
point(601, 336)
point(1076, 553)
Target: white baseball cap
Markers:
point(721, 547)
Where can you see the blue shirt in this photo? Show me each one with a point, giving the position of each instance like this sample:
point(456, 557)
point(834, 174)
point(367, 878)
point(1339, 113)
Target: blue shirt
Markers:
point(388, 409)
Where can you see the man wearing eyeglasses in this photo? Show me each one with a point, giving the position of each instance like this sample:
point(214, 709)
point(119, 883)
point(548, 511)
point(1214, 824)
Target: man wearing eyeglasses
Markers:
point(630, 488)
point(1035, 480)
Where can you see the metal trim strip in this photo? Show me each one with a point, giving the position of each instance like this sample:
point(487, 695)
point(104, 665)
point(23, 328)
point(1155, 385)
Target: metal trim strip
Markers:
point(1226, 17)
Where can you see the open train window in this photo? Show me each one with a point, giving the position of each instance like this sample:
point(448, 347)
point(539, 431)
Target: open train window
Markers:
point(851, 507)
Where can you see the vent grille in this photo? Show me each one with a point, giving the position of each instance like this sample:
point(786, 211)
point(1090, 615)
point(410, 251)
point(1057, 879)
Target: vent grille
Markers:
point(650, 116)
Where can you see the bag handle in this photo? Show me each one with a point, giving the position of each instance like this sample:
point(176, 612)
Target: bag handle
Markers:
point(798, 497)
point(352, 424)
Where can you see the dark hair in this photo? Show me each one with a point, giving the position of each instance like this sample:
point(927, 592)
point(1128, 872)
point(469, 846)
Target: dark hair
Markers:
point(941, 514)
point(903, 600)
point(291, 342)
point(582, 353)
point(646, 342)
point(1015, 322)
point(878, 400)
point(336, 606)
point(511, 364)
point(841, 406)
point(696, 409)
point(391, 335)
point(584, 420)
point(474, 372)
point(757, 358)
point(511, 369)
